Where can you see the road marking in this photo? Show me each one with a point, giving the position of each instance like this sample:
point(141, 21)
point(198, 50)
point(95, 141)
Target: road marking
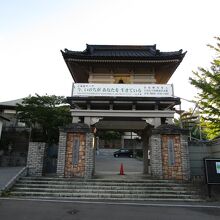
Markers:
point(116, 203)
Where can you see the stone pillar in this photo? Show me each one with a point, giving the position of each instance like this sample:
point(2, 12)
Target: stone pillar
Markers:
point(61, 157)
point(185, 157)
point(122, 141)
point(157, 122)
point(145, 136)
point(35, 158)
point(76, 153)
point(145, 139)
point(156, 156)
point(75, 119)
point(169, 153)
point(89, 156)
point(1, 123)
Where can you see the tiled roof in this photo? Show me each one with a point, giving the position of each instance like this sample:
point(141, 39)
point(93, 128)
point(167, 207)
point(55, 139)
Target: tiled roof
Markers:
point(122, 51)
point(169, 129)
point(11, 103)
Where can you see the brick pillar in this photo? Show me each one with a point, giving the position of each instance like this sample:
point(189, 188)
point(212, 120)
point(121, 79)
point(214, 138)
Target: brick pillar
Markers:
point(169, 153)
point(61, 158)
point(35, 158)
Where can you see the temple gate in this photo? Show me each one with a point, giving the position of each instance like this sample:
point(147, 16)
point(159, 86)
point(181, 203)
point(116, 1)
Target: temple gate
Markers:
point(123, 88)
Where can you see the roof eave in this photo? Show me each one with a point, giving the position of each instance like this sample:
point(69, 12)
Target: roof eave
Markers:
point(67, 63)
point(4, 118)
point(121, 60)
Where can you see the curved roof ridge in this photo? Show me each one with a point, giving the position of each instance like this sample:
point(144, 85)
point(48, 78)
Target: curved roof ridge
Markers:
point(122, 51)
point(120, 47)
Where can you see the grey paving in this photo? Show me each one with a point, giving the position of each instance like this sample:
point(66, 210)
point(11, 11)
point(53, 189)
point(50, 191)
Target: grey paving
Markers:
point(6, 174)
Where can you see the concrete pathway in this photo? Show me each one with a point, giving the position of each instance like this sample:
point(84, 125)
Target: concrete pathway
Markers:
point(6, 174)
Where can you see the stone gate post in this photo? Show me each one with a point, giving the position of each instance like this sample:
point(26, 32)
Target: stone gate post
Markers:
point(76, 151)
point(169, 153)
point(35, 158)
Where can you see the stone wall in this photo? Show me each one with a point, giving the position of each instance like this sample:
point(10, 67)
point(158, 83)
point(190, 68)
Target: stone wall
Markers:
point(35, 159)
point(198, 150)
point(215, 148)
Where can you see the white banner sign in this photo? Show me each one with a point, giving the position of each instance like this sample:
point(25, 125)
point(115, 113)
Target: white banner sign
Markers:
point(123, 90)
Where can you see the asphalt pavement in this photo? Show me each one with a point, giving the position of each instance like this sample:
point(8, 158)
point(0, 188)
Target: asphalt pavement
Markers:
point(19, 209)
point(66, 210)
point(106, 163)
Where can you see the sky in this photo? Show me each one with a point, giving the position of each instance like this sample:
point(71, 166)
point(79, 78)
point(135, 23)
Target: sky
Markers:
point(32, 33)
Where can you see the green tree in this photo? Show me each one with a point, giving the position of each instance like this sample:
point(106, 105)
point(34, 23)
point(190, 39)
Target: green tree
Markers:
point(208, 83)
point(110, 135)
point(45, 114)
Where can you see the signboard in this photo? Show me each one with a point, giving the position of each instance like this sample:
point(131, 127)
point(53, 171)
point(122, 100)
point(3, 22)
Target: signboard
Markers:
point(212, 170)
point(76, 145)
point(171, 152)
point(122, 90)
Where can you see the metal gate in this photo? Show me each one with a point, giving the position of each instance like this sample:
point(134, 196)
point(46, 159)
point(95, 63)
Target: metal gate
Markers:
point(50, 159)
